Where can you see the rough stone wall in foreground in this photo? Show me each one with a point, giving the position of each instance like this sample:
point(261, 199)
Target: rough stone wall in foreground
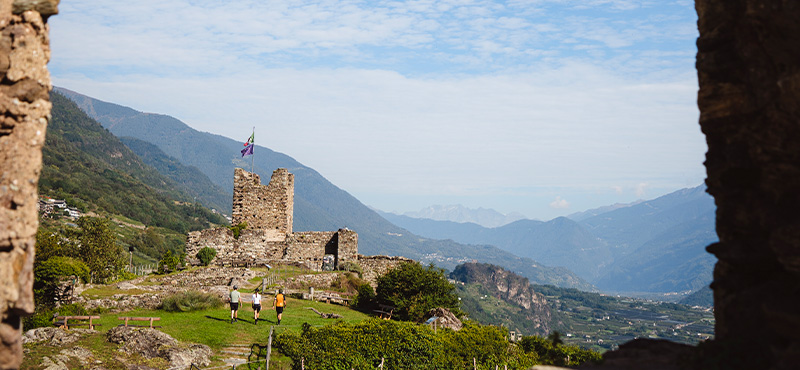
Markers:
point(24, 112)
point(748, 64)
point(264, 206)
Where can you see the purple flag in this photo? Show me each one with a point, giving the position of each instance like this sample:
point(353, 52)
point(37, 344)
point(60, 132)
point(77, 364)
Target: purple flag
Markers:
point(248, 150)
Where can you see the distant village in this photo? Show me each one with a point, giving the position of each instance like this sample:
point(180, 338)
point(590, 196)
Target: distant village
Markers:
point(48, 207)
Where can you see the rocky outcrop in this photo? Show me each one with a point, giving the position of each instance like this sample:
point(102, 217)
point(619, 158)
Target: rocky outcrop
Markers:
point(55, 337)
point(509, 287)
point(443, 319)
point(24, 112)
point(151, 343)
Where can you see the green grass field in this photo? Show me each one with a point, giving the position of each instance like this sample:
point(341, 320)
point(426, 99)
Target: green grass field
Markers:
point(210, 327)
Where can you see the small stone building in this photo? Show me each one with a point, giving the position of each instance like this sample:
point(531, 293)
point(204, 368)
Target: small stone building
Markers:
point(268, 238)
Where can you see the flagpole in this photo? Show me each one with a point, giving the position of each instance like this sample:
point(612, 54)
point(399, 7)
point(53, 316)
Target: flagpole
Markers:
point(253, 160)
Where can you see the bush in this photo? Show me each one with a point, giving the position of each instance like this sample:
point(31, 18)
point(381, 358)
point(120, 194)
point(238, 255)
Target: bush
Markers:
point(552, 352)
point(347, 282)
point(48, 275)
point(169, 262)
point(190, 300)
point(206, 255)
point(237, 229)
point(415, 290)
point(365, 298)
point(401, 345)
point(352, 267)
point(43, 316)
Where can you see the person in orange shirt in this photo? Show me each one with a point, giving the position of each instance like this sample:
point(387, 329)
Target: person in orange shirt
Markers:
point(279, 303)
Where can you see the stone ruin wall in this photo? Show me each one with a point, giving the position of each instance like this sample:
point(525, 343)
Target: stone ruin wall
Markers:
point(374, 266)
point(24, 113)
point(252, 245)
point(264, 246)
point(264, 207)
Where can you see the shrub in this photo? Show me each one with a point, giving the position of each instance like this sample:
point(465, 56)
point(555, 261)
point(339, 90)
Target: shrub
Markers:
point(552, 352)
point(169, 262)
point(352, 267)
point(49, 274)
point(401, 345)
point(190, 300)
point(237, 229)
point(206, 255)
point(347, 282)
point(365, 299)
point(43, 316)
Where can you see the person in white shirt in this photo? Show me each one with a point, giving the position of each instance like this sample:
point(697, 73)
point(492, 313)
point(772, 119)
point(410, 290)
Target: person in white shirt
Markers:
point(256, 305)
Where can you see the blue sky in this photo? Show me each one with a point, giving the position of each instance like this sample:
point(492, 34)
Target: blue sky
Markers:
point(541, 107)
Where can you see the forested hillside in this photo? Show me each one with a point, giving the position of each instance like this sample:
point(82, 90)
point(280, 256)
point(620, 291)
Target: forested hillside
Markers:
point(492, 295)
point(89, 167)
point(188, 179)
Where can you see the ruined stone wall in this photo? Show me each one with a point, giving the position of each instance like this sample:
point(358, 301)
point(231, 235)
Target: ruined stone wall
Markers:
point(348, 246)
point(24, 112)
point(374, 266)
point(748, 64)
point(261, 246)
point(311, 246)
point(264, 206)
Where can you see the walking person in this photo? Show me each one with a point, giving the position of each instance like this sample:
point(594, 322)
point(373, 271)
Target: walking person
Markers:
point(279, 303)
point(234, 300)
point(256, 305)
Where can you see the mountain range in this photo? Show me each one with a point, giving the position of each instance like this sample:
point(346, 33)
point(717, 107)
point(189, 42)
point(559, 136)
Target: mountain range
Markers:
point(458, 213)
point(649, 246)
point(178, 152)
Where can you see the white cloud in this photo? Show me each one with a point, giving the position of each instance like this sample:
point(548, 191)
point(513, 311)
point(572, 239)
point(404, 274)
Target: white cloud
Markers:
point(435, 98)
point(641, 189)
point(559, 203)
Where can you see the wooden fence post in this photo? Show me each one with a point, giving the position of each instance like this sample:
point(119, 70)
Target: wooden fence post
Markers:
point(269, 348)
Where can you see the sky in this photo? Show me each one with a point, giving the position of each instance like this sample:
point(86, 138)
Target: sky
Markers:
point(542, 107)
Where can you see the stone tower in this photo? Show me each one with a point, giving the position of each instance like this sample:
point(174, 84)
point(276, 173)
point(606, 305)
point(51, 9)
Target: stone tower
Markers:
point(264, 207)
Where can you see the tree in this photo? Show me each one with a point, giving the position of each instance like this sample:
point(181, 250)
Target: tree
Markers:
point(98, 247)
point(51, 244)
point(414, 290)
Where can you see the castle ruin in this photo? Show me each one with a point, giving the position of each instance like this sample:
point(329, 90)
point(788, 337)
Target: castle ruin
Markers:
point(268, 211)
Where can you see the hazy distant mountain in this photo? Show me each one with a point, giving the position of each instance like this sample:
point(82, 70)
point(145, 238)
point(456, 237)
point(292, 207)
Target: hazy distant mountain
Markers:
point(659, 245)
point(650, 246)
point(559, 242)
point(319, 205)
point(580, 216)
point(458, 213)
